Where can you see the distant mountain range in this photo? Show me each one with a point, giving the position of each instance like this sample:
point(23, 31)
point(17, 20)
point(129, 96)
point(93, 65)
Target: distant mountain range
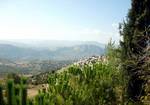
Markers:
point(49, 44)
point(34, 57)
point(45, 50)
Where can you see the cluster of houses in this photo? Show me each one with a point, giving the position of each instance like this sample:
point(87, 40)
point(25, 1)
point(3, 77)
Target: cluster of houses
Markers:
point(91, 60)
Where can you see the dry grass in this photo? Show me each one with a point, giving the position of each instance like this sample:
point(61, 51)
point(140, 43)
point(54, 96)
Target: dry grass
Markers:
point(34, 89)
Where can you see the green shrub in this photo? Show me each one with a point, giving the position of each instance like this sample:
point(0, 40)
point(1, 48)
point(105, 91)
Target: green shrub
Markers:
point(10, 92)
point(1, 96)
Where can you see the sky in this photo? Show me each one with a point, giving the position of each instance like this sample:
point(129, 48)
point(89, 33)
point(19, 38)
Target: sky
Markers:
point(83, 20)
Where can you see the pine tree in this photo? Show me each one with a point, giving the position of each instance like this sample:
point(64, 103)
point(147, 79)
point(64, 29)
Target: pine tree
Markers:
point(135, 42)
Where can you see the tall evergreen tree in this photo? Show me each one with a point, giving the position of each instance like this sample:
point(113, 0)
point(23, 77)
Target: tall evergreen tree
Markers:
point(135, 32)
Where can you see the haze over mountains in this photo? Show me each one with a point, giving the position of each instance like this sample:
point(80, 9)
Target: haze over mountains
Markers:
point(49, 50)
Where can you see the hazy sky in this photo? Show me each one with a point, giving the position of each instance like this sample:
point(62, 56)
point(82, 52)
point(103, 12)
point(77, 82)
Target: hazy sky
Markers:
point(87, 20)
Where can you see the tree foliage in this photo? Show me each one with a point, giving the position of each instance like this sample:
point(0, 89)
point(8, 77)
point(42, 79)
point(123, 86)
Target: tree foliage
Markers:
point(135, 47)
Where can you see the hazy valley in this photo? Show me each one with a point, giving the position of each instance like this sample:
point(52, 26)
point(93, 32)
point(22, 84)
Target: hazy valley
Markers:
point(37, 57)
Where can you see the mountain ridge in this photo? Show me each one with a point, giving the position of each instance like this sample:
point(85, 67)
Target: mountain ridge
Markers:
point(10, 51)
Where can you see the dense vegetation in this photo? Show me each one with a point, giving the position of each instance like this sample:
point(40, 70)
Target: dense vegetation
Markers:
point(135, 49)
point(15, 93)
